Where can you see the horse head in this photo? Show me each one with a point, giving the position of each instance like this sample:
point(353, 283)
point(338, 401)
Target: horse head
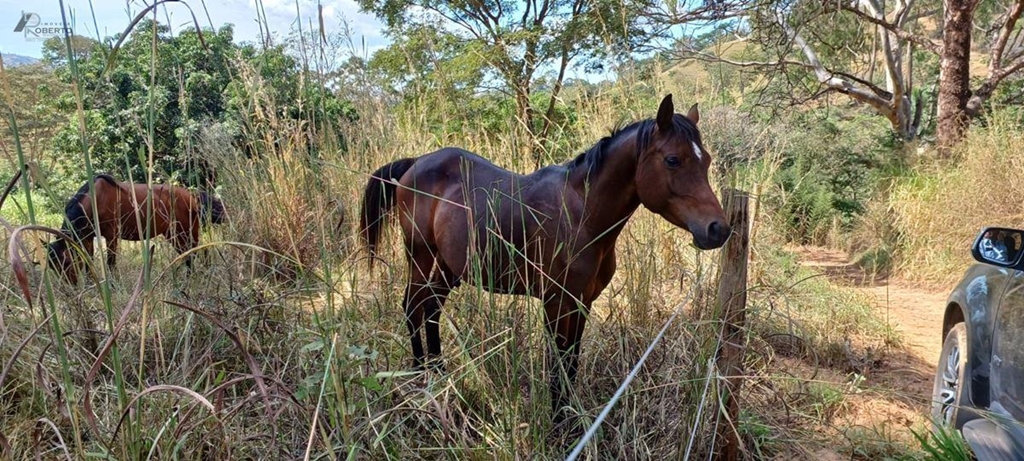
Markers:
point(60, 256)
point(672, 177)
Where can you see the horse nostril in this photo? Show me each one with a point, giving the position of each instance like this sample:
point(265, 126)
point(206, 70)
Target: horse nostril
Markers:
point(718, 232)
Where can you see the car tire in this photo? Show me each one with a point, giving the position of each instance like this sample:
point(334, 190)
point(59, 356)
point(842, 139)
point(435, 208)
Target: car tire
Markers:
point(949, 392)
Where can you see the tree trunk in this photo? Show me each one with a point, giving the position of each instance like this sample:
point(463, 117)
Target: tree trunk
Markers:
point(954, 72)
point(549, 115)
point(524, 112)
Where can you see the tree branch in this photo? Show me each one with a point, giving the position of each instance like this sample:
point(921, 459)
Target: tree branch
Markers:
point(833, 81)
point(999, 47)
point(895, 30)
point(997, 71)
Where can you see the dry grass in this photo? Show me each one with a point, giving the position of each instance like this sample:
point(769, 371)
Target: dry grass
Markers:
point(937, 212)
point(303, 353)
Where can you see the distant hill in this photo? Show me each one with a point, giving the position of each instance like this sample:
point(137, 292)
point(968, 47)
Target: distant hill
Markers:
point(15, 60)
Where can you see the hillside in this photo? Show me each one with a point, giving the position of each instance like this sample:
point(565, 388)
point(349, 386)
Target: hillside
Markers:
point(15, 60)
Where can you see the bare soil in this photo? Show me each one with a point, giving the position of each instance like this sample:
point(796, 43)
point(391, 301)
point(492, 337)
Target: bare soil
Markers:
point(915, 312)
point(899, 383)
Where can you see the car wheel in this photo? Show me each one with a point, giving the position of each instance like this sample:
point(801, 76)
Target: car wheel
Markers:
point(950, 379)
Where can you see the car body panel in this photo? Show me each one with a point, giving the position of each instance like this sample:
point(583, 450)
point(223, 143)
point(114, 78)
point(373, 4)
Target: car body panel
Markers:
point(989, 300)
point(973, 302)
point(1007, 362)
point(991, 441)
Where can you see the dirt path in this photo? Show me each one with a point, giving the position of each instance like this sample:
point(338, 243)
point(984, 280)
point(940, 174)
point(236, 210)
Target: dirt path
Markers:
point(915, 312)
point(901, 383)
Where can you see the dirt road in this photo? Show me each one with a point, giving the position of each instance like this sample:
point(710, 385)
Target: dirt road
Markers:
point(916, 313)
point(901, 383)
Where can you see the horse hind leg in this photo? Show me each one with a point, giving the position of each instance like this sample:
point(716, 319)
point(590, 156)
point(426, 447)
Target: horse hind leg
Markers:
point(441, 286)
point(429, 285)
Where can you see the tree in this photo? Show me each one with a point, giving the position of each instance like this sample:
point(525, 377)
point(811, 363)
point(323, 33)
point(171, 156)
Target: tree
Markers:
point(810, 49)
point(842, 44)
point(957, 102)
point(145, 100)
point(955, 70)
point(160, 89)
point(517, 41)
point(428, 66)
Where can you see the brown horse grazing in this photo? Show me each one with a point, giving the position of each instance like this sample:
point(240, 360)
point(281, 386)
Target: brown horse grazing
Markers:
point(123, 210)
point(550, 234)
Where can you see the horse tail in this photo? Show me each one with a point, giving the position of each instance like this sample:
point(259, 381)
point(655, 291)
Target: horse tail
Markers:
point(378, 198)
point(211, 209)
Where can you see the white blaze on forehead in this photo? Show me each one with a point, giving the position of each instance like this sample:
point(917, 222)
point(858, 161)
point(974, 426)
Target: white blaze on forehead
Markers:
point(696, 150)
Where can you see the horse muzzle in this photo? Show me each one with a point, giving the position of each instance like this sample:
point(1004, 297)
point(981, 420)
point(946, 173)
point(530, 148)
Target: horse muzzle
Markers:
point(714, 235)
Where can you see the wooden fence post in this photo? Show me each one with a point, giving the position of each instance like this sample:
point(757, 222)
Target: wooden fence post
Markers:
point(732, 311)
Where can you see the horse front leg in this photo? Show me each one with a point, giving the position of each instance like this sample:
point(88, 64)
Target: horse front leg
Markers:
point(184, 241)
point(565, 322)
point(112, 252)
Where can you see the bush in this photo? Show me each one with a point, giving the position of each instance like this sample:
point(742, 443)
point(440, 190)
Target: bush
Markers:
point(831, 167)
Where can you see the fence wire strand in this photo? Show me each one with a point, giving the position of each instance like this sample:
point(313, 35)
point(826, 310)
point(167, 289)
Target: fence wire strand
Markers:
point(629, 378)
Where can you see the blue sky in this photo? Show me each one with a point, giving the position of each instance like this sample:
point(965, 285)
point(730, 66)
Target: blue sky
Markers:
point(112, 16)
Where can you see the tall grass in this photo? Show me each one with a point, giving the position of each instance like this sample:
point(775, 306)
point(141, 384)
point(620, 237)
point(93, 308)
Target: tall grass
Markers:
point(937, 211)
point(283, 344)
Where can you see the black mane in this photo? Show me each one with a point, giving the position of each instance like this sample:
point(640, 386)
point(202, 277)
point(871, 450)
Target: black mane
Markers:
point(594, 157)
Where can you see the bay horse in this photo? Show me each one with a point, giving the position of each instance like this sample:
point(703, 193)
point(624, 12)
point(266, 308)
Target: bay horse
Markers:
point(124, 212)
point(549, 234)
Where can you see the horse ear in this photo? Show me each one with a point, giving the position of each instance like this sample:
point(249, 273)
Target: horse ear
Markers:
point(693, 114)
point(665, 113)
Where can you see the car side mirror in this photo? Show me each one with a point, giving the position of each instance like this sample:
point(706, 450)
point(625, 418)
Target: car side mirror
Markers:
point(999, 247)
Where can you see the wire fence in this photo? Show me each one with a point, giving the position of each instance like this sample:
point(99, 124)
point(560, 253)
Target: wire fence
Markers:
point(589, 434)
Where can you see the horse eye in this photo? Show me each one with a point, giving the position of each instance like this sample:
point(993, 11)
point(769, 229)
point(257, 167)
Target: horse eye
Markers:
point(672, 161)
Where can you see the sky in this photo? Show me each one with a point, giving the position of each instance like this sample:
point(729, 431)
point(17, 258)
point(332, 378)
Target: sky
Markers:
point(112, 16)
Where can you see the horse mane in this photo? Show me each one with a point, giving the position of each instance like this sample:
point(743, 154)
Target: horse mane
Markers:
point(75, 218)
point(594, 157)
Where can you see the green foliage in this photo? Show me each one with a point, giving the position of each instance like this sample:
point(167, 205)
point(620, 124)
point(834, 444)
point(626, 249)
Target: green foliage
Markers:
point(162, 88)
point(831, 168)
point(943, 444)
point(452, 51)
point(425, 59)
point(753, 428)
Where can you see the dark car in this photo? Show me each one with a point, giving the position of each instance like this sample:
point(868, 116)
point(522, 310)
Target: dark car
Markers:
point(979, 384)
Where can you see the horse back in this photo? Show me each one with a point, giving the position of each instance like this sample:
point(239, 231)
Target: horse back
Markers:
point(165, 209)
point(461, 204)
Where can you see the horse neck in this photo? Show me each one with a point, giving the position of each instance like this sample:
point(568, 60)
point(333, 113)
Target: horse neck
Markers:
point(609, 194)
point(79, 223)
